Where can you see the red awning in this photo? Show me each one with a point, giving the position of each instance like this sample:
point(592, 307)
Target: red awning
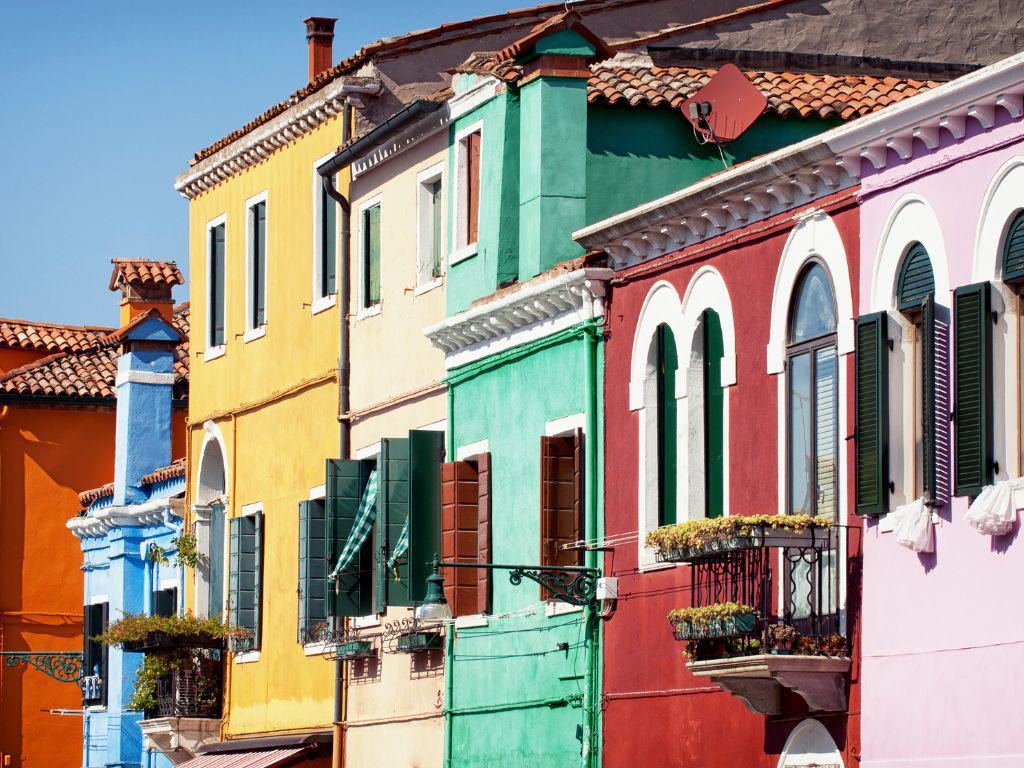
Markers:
point(265, 759)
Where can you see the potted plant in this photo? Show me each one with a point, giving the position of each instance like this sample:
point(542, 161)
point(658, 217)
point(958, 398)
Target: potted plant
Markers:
point(696, 539)
point(141, 633)
point(781, 638)
point(709, 621)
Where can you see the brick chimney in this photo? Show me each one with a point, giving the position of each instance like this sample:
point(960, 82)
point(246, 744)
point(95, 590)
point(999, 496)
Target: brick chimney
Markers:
point(320, 34)
point(145, 285)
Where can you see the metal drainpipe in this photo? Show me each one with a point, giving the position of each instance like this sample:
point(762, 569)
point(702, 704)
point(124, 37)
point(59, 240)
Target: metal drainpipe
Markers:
point(344, 437)
point(449, 688)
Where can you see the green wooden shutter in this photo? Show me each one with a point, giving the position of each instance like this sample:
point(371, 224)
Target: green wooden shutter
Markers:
point(714, 415)
point(1013, 250)
point(257, 578)
point(972, 328)
point(872, 414)
point(929, 400)
point(312, 566)
point(350, 595)
point(245, 578)
point(259, 265)
point(426, 454)
point(234, 559)
point(435, 224)
point(216, 560)
point(916, 280)
point(667, 369)
point(393, 503)
point(328, 243)
point(217, 285)
point(371, 256)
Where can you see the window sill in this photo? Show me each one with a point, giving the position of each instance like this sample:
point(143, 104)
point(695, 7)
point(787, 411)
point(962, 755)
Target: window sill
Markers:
point(366, 312)
point(653, 566)
point(362, 622)
point(254, 333)
point(463, 253)
point(247, 657)
point(323, 303)
point(470, 622)
point(315, 649)
point(558, 608)
point(437, 282)
point(212, 353)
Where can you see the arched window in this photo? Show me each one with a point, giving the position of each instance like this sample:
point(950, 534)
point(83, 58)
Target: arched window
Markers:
point(707, 419)
point(1013, 250)
point(812, 380)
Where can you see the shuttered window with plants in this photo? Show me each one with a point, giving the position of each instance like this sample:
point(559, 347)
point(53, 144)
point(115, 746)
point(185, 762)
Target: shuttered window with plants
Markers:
point(466, 533)
point(312, 570)
point(350, 593)
point(561, 500)
point(872, 414)
point(972, 335)
point(245, 577)
point(915, 298)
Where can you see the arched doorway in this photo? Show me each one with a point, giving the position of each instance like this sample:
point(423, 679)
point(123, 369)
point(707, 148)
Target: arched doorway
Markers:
point(810, 745)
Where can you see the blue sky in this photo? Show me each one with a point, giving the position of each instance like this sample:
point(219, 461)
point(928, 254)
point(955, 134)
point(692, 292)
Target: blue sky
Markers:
point(103, 103)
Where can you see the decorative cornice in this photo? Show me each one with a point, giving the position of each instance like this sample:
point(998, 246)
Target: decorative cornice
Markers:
point(406, 139)
point(255, 147)
point(743, 195)
point(100, 521)
point(529, 312)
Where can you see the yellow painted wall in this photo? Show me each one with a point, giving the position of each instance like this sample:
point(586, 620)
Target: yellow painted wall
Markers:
point(276, 445)
point(395, 705)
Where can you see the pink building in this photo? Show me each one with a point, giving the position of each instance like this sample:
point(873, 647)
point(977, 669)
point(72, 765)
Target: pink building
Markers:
point(939, 414)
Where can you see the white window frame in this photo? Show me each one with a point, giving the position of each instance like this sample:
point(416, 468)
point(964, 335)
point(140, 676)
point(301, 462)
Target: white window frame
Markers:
point(325, 302)
point(253, 332)
point(425, 279)
point(460, 250)
point(374, 309)
point(213, 352)
point(247, 510)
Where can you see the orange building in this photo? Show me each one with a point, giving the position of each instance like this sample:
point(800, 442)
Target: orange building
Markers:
point(57, 417)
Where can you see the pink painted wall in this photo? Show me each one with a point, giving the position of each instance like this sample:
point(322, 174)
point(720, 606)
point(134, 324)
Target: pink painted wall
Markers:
point(943, 634)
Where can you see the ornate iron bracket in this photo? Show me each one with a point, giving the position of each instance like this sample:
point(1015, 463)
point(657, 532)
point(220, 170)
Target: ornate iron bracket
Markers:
point(64, 666)
point(575, 585)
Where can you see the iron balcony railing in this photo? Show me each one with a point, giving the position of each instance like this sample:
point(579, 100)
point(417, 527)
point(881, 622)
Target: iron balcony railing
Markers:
point(190, 691)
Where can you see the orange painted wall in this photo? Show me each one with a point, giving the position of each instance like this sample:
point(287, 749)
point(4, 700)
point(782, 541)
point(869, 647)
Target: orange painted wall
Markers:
point(47, 457)
point(15, 358)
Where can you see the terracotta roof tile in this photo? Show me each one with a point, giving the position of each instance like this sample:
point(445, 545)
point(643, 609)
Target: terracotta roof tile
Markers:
point(566, 20)
point(48, 337)
point(91, 372)
point(789, 94)
point(86, 498)
point(144, 272)
point(175, 469)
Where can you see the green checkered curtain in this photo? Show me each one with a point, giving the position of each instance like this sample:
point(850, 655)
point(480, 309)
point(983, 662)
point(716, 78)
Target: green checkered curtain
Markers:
point(361, 529)
point(400, 549)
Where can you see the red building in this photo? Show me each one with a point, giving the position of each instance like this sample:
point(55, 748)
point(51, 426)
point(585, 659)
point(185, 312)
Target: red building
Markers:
point(729, 392)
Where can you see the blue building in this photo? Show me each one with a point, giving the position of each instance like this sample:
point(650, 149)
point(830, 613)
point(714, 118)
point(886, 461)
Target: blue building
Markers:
point(128, 527)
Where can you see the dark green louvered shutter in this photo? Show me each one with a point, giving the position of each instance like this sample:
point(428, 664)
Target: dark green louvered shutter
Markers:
point(351, 594)
point(872, 429)
point(1013, 250)
point(667, 424)
point(916, 280)
point(426, 454)
point(245, 577)
point(972, 318)
point(257, 578)
point(216, 607)
point(312, 566)
point(929, 399)
point(393, 494)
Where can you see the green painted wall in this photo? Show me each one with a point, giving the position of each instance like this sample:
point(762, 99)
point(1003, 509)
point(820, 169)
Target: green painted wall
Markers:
point(515, 660)
point(636, 155)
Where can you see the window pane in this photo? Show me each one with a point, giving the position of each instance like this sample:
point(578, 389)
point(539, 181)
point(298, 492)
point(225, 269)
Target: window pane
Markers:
point(258, 267)
point(668, 365)
point(714, 416)
point(435, 225)
point(371, 256)
point(800, 457)
point(328, 244)
point(826, 431)
point(814, 314)
point(216, 330)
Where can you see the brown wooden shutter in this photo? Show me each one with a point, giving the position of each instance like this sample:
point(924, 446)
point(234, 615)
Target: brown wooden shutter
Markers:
point(459, 510)
point(483, 530)
point(561, 476)
point(472, 187)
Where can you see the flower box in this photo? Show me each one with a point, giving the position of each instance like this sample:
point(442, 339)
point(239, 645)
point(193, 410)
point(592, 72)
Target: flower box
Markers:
point(731, 626)
point(354, 649)
point(759, 536)
point(416, 642)
point(162, 641)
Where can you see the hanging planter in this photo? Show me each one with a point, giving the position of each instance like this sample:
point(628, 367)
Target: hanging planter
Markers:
point(354, 649)
point(698, 539)
point(711, 621)
point(416, 642)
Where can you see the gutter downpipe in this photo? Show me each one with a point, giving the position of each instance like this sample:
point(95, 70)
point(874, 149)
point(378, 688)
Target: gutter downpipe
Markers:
point(592, 327)
point(344, 436)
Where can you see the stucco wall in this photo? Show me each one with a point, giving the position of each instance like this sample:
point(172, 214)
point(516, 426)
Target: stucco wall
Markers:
point(942, 622)
point(47, 457)
point(714, 728)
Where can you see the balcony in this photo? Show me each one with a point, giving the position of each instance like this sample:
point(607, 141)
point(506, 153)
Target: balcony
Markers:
point(184, 708)
point(766, 612)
